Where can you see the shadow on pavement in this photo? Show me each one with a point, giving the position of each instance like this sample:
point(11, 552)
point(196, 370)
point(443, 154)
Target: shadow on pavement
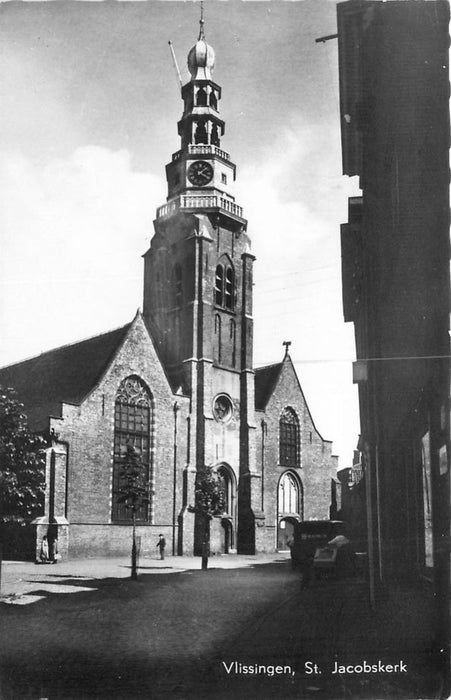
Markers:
point(218, 633)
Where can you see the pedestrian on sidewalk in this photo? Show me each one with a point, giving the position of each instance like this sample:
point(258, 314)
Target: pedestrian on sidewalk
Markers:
point(54, 551)
point(44, 553)
point(161, 544)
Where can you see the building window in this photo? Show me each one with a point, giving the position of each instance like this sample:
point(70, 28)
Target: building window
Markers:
point(219, 286)
point(229, 287)
point(200, 135)
point(288, 495)
point(225, 286)
point(217, 345)
point(132, 426)
point(214, 138)
point(178, 288)
point(288, 439)
point(233, 341)
point(227, 486)
point(201, 98)
point(224, 178)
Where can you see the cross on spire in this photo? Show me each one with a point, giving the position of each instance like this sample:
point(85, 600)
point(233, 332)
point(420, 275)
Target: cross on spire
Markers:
point(287, 344)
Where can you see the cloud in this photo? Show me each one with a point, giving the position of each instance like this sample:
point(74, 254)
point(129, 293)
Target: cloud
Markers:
point(294, 211)
point(72, 233)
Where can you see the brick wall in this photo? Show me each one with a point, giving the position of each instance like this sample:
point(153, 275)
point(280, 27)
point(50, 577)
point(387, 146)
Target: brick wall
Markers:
point(89, 431)
point(316, 461)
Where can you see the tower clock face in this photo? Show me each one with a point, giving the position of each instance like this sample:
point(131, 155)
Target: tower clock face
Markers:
point(200, 173)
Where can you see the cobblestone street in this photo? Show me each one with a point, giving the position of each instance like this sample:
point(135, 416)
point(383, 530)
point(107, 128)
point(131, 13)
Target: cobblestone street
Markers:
point(183, 633)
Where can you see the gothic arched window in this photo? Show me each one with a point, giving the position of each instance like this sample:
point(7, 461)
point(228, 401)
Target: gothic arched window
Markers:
point(214, 138)
point(288, 494)
point(219, 285)
point(288, 439)
point(227, 485)
point(132, 426)
point(200, 135)
point(225, 286)
point(213, 100)
point(229, 287)
point(201, 100)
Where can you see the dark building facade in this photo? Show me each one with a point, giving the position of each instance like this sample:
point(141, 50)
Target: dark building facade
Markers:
point(393, 65)
point(178, 382)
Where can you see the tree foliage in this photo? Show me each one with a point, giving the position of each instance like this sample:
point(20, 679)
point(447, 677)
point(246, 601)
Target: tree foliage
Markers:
point(209, 492)
point(133, 489)
point(210, 502)
point(22, 463)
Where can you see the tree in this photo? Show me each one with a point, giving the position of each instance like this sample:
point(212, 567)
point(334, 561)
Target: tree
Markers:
point(210, 503)
point(133, 492)
point(22, 463)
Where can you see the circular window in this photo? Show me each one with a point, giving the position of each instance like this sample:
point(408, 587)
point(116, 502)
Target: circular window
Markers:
point(222, 408)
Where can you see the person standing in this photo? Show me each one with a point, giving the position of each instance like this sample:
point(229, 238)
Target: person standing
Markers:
point(161, 544)
point(44, 554)
point(54, 556)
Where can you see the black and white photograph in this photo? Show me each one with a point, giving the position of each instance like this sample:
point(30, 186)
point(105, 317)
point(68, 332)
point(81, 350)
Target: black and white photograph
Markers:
point(225, 350)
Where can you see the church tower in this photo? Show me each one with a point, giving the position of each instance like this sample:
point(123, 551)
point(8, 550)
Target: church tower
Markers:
point(198, 303)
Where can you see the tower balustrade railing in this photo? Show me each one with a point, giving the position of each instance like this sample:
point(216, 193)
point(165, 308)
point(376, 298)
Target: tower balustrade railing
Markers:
point(202, 149)
point(199, 201)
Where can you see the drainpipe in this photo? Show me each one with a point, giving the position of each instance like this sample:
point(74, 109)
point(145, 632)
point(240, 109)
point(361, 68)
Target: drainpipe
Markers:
point(176, 408)
point(264, 432)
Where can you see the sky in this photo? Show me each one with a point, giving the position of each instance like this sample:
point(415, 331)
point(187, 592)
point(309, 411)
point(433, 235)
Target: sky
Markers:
point(90, 104)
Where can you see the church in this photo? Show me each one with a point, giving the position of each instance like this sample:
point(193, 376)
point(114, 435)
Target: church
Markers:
point(178, 382)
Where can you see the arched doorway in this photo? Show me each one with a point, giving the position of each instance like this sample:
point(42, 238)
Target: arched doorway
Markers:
point(227, 529)
point(285, 533)
point(289, 508)
point(228, 523)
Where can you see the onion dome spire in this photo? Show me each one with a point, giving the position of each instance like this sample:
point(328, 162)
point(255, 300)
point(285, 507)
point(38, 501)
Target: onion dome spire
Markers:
point(201, 58)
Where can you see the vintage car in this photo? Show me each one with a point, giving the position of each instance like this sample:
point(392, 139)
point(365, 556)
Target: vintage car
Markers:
point(323, 545)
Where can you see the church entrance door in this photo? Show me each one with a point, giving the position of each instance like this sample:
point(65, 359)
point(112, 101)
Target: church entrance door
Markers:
point(227, 542)
point(285, 533)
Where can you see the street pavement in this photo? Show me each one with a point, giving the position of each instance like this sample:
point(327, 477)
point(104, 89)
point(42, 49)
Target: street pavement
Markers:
point(243, 628)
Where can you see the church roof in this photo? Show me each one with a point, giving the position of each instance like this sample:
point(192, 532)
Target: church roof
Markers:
point(265, 381)
point(66, 374)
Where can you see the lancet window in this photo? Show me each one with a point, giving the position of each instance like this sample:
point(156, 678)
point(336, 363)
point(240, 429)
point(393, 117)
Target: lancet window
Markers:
point(133, 419)
point(288, 438)
point(288, 494)
point(225, 286)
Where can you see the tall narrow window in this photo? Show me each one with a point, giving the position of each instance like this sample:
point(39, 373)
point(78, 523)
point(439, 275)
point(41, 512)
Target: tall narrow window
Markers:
point(178, 288)
point(288, 495)
point(217, 344)
point(201, 135)
point(227, 485)
point(201, 97)
point(213, 100)
point(233, 341)
point(288, 439)
point(132, 424)
point(219, 286)
point(225, 285)
point(214, 139)
point(229, 286)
